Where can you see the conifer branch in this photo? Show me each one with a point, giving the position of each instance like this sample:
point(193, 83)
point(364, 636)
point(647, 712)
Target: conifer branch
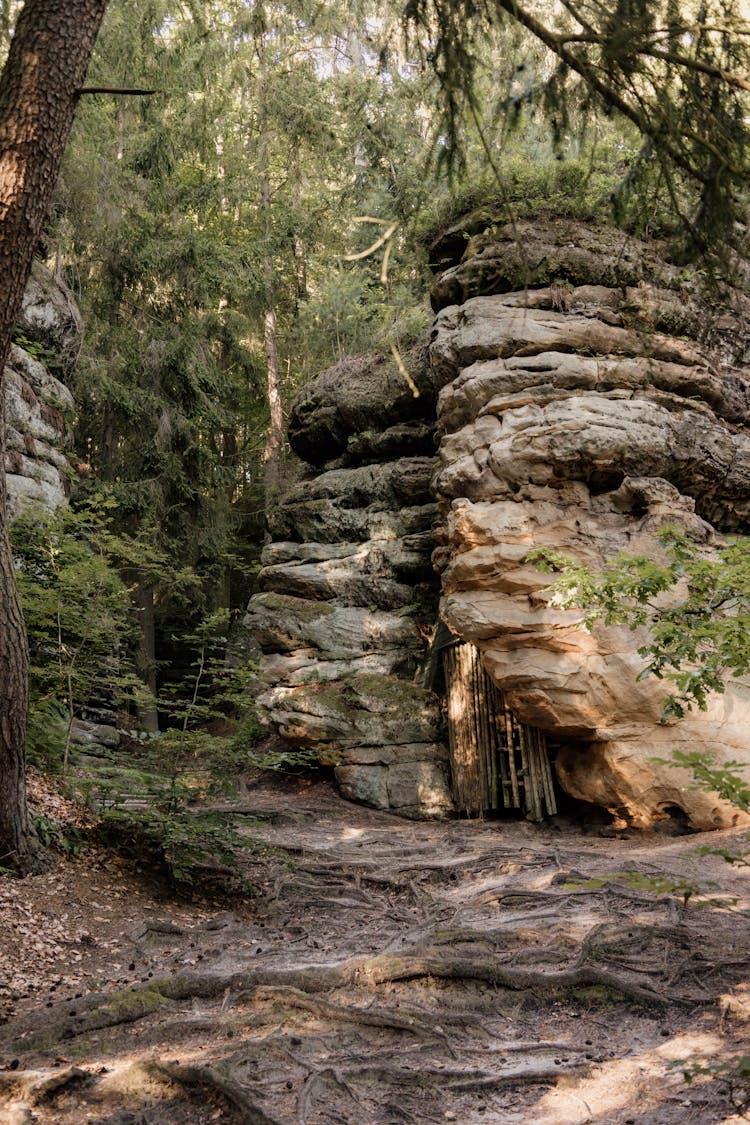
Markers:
point(124, 90)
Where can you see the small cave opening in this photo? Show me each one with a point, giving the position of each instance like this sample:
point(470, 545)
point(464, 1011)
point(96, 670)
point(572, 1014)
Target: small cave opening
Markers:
point(501, 768)
point(574, 813)
point(600, 481)
point(674, 822)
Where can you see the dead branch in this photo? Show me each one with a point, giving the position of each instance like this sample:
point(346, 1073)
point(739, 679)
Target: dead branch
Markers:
point(126, 90)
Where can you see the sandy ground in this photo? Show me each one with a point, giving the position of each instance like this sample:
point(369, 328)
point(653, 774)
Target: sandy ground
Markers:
point(382, 972)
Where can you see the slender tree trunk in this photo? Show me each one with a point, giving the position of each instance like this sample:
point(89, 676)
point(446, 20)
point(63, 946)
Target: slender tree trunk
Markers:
point(148, 717)
point(300, 262)
point(275, 438)
point(46, 66)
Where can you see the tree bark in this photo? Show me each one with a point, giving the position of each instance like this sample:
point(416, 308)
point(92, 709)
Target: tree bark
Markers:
point(148, 716)
point(39, 87)
point(275, 437)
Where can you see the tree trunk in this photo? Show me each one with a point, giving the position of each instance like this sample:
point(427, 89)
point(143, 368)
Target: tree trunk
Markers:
point(298, 249)
point(46, 66)
point(148, 717)
point(275, 438)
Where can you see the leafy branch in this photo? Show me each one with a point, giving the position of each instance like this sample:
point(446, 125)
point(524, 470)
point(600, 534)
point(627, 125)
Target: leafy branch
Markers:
point(695, 607)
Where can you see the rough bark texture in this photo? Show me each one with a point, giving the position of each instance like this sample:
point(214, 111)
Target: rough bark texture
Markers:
point(47, 63)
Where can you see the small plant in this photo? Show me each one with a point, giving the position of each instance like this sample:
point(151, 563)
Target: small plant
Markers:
point(193, 851)
point(79, 616)
point(733, 1072)
point(65, 839)
point(36, 350)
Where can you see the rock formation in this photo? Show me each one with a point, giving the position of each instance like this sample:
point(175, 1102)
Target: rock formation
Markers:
point(38, 413)
point(586, 398)
point(589, 392)
point(347, 592)
point(36, 400)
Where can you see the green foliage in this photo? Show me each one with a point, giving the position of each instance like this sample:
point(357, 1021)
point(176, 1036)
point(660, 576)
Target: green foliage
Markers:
point(78, 617)
point(64, 839)
point(674, 71)
point(194, 851)
point(694, 608)
point(724, 778)
point(148, 801)
point(580, 187)
point(36, 350)
point(184, 218)
point(46, 732)
point(733, 1072)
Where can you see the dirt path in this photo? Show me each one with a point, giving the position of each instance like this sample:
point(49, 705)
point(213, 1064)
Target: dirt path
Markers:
point(387, 972)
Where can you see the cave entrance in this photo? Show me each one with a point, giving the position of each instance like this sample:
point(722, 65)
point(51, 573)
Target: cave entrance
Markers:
point(496, 762)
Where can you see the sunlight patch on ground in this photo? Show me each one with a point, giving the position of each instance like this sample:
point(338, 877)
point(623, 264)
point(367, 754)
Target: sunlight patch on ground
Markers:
point(648, 1077)
point(352, 833)
point(737, 1003)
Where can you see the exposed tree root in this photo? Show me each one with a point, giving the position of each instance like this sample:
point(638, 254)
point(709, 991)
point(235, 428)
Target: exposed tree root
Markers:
point(304, 1101)
point(452, 1078)
point(463, 990)
point(346, 1013)
point(97, 1012)
point(210, 1078)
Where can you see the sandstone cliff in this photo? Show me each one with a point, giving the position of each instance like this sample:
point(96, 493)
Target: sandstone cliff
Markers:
point(588, 392)
point(587, 397)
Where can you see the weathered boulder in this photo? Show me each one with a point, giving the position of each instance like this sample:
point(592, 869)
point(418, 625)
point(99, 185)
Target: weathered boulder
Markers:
point(380, 501)
point(282, 623)
point(50, 316)
point(363, 409)
point(573, 417)
point(380, 573)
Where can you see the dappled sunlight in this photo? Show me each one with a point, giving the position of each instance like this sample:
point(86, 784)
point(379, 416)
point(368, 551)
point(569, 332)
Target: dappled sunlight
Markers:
point(634, 1083)
point(737, 1003)
point(496, 973)
point(352, 833)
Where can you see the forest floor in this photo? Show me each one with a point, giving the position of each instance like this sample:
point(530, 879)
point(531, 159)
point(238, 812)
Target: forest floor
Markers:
point(382, 972)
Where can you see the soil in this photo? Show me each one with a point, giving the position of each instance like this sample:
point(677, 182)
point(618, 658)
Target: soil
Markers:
point(382, 971)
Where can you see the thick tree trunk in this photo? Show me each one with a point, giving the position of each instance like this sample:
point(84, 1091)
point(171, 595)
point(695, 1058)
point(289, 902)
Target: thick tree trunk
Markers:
point(46, 66)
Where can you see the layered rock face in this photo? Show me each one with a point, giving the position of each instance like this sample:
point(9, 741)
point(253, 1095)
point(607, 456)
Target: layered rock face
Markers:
point(347, 590)
point(36, 400)
point(585, 401)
